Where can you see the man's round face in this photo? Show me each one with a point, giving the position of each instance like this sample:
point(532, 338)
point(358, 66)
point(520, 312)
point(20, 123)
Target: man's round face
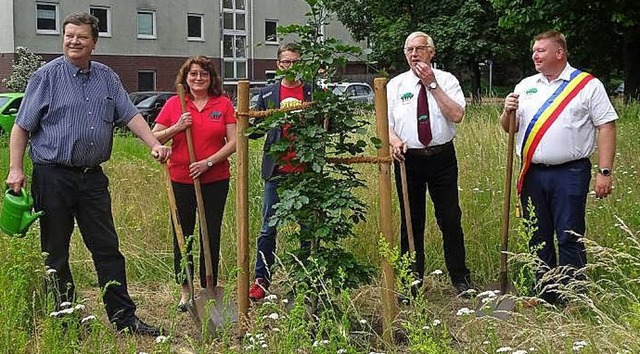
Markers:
point(286, 59)
point(78, 42)
point(418, 50)
point(547, 56)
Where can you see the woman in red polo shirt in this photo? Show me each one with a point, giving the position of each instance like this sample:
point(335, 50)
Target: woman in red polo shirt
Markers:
point(211, 116)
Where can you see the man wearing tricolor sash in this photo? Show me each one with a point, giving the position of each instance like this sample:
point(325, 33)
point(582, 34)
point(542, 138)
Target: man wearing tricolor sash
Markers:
point(561, 113)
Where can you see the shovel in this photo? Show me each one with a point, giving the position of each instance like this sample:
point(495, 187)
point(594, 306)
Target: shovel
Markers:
point(501, 306)
point(222, 310)
point(407, 208)
point(191, 306)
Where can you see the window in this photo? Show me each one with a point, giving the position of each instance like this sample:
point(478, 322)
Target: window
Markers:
point(146, 80)
point(234, 39)
point(194, 27)
point(270, 32)
point(146, 24)
point(47, 18)
point(104, 20)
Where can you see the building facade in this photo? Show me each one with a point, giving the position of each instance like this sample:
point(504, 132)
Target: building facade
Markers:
point(146, 41)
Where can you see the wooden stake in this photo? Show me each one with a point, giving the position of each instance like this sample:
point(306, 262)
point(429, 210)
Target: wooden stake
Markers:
point(242, 206)
point(389, 308)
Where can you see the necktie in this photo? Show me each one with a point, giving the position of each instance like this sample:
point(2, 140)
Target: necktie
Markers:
point(424, 124)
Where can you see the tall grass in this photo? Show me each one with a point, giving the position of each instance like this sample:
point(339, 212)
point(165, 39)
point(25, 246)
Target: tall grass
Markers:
point(606, 319)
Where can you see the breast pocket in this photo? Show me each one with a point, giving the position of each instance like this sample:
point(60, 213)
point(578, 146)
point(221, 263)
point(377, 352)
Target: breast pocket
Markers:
point(108, 110)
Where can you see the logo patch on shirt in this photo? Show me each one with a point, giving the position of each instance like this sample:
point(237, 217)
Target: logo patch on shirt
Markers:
point(406, 97)
point(215, 115)
point(531, 91)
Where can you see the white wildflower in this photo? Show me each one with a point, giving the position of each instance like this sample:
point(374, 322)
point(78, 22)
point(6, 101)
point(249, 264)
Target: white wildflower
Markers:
point(275, 329)
point(271, 297)
point(486, 342)
point(416, 282)
point(274, 316)
point(54, 314)
point(425, 328)
point(320, 343)
point(436, 322)
point(363, 321)
point(520, 351)
point(489, 293)
point(504, 349)
point(65, 304)
point(285, 301)
point(88, 318)
point(264, 345)
point(66, 311)
point(79, 307)
point(161, 339)
point(51, 271)
point(436, 272)
point(341, 351)
point(578, 345)
point(464, 311)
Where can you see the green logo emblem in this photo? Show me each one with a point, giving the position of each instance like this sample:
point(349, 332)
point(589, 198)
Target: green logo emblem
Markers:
point(531, 91)
point(423, 117)
point(406, 96)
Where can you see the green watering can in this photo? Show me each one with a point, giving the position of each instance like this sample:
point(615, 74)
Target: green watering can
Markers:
point(17, 214)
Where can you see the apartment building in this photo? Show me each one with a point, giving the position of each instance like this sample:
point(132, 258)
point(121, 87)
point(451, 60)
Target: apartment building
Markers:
point(146, 41)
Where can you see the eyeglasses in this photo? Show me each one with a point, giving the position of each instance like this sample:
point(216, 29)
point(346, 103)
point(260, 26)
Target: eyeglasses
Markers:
point(287, 61)
point(420, 49)
point(201, 74)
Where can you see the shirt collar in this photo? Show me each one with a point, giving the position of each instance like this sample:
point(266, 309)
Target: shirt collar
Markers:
point(74, 69)
point(565, 75)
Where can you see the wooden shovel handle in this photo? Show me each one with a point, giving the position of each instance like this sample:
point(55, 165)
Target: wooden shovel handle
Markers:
point(204, 231)
point(407, 208)
point(177, 227)
point(506, 204)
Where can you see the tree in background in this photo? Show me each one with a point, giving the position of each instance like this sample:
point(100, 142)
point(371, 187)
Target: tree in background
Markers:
point(602, 35)
point(25, 63)
point(321, 197)
point(465, 32)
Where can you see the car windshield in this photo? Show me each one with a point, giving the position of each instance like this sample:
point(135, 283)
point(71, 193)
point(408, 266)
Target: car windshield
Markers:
point(147, 102)
point(3, 100)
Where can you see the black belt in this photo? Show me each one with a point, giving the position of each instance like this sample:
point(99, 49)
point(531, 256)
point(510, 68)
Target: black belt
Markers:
point(564, 164)
point(76, 169)
point(430, 150)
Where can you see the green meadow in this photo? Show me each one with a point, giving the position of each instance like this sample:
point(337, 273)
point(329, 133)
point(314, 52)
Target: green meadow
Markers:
point(604, 319)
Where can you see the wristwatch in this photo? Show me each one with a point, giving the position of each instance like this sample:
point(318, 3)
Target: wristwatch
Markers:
point(209, 163)
point(433, 86)
point(605, 171)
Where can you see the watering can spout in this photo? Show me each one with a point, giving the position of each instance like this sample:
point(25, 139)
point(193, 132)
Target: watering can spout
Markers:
point(29, 219)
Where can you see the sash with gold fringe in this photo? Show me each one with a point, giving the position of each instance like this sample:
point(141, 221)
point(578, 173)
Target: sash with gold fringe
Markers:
point(546, 115)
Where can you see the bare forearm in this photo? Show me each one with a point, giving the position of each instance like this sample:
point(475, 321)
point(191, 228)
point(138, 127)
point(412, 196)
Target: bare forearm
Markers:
point(17, 146)
point(141, 129)
point(449, 108)
point(606, 144)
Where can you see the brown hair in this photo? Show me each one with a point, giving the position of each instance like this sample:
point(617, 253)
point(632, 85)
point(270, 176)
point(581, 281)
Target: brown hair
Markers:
point(215, 86)
point(556, 37)
point(289, 47)
point(82, 18)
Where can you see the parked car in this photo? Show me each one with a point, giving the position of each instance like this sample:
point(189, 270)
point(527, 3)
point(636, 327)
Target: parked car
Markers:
point(9, 105)
point(137, 97)
point(357, 91)
point(151, 106)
